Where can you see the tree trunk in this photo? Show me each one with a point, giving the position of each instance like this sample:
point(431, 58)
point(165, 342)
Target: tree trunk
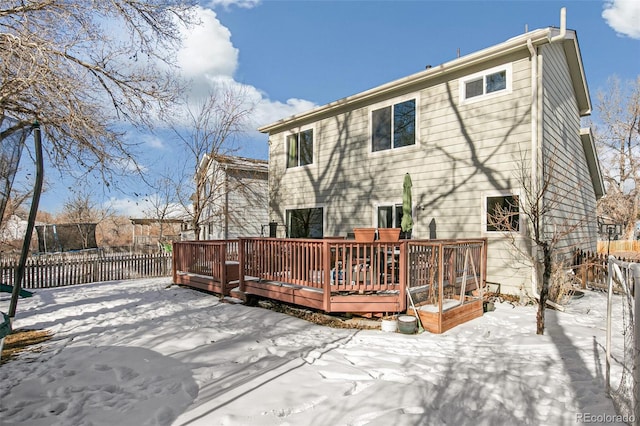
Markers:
point(544, 291)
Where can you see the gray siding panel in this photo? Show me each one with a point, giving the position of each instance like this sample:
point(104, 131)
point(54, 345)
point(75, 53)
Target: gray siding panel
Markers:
point(571, 192)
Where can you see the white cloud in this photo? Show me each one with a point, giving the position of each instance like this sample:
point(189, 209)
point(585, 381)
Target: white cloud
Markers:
point(207, 49)
point(143, 208)
point(126, 207)
point(268, 111)
point(153, 142)
point(245, 4)
point(208, 59)
point(623, 16)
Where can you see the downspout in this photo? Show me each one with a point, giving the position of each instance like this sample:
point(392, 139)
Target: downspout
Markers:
point(534, 151)
point(536, 108)
point(563, 27)
point(226, 201)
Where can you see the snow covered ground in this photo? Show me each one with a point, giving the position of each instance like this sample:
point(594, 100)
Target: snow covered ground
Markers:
point(143, 352)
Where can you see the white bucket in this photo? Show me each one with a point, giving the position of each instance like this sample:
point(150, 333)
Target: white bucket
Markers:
point(389, 325)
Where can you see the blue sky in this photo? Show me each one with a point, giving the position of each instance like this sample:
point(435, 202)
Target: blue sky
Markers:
point(294, 55)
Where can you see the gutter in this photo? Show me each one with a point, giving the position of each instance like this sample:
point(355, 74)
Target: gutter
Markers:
point(511, 45)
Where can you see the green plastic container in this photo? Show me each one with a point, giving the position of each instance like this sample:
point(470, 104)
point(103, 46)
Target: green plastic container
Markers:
point(407, 324)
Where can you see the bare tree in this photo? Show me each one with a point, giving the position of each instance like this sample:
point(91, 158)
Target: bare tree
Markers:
point(618, 142)
point(551, 228)
point(83, 68)
point(80, 208)
point(163, 204)
point(210, 129)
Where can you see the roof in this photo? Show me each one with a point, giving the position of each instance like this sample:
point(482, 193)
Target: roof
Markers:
point(586, 136)
point(536, 37)
point(148, 221)
point(232, 162)
point(242, 163)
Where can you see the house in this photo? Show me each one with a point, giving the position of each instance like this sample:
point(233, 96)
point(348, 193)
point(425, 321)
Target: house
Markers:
point(13, 228)
point(476, 134)
point(236, 197)
point(154, 234)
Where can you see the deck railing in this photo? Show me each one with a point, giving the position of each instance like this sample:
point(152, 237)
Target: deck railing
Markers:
point(206, 257)
point(346, 265)
point(338, 267)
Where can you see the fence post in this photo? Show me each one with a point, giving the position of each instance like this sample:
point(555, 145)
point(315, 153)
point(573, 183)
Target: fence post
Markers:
point(636, 356)
point(607, 373)
point(585, 268)
point(95, 275)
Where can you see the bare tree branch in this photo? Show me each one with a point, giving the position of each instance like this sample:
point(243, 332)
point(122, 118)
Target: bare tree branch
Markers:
point(84, 68)
point(213, 127)
point(618, 143)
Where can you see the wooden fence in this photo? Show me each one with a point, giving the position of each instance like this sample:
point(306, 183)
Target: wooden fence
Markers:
point(591, 268)
point(68, 269)
point(618, 246)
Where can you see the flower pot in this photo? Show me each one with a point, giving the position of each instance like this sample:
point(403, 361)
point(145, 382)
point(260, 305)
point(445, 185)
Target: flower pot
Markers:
point(365, 235)
point(388, 235)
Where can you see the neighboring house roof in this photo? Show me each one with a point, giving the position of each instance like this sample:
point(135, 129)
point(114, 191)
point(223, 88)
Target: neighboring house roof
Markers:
point(237, 163)
point(536, 38)
point(148, 221)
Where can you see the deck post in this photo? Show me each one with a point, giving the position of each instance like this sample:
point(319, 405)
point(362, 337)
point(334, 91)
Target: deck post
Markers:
point(483, 267)
point(223, 261)
point(404, 265)
point(174, 264)
point(440, 282)
point(326, 275)
point(241, 266)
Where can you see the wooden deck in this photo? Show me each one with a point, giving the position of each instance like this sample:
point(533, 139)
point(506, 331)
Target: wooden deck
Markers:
point(337, 275)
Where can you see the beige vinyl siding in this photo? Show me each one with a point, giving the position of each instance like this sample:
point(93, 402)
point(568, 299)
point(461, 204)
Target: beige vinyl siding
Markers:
point(572, 194)
point(247, 204)
point(464, 152)
point(244, 209)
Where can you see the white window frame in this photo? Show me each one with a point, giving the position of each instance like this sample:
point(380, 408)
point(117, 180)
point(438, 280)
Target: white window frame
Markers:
point(295, 131)
point(486, 196)
point(303, 207)
point(462, 84)
point(391, 102)
point(377, 206)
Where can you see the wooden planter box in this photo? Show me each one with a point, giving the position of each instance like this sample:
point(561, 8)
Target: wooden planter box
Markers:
point(438, 323)
point(365, 235)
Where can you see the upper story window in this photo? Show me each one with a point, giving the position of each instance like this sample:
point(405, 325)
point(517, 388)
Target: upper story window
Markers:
point(300, 148)
point(486, 83)
point(393, 126)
